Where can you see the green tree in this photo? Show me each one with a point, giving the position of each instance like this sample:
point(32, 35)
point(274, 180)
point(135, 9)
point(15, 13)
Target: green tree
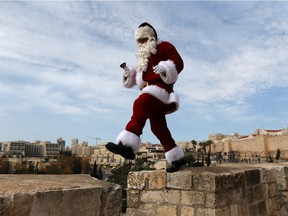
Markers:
point(77, 165)
point(209, 143)
point(278, 154)
point(4, 165)
point(208, 159)
point(189, 159)
point(100, 173)
point(94, 171)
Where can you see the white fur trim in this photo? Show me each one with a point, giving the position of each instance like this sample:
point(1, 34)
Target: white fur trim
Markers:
point(129, 139)
point(162, 95)
point(174, 154)
point(139, 81)
point(129, 81)
point(171, 74)
point(144, 32)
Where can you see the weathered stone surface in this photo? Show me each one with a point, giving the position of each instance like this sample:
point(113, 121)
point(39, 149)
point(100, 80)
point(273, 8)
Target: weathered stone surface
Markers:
point(136, 180)
point(193, 198)
point(179, 180)
point(226, 190)
point(156, 179)
point(167, 210)
point(187, 211)
point(58, 195)
point(162, 196)
point(252, 177)
point(141, 212)
point(207, 182)
point(133, 198)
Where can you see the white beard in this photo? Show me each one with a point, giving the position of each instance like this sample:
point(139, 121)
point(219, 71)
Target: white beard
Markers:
point(144, 52)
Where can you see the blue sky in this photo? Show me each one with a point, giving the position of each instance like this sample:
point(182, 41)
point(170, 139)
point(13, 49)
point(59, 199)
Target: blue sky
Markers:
point(60, 74)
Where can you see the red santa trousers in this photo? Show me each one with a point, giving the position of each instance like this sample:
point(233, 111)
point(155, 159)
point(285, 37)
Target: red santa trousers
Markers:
point(148, 107)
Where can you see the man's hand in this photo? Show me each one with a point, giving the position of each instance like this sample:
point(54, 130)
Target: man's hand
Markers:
point(159, 69)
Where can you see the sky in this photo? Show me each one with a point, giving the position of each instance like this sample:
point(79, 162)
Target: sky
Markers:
point(60, 74)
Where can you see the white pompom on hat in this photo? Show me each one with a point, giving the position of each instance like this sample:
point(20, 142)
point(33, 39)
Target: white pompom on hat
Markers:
point(145, 30)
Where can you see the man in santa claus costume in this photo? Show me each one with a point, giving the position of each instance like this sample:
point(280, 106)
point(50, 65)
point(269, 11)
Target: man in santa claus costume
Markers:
point(157, 69)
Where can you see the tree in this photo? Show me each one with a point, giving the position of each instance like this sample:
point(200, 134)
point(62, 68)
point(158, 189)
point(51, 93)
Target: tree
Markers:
point(4, 165)
point(189, 159)
point(208, 159)
point(94, 171)
point(86, 167)
point(278, 154)
point(209, 143)
point(100, 173)
point(77, 165)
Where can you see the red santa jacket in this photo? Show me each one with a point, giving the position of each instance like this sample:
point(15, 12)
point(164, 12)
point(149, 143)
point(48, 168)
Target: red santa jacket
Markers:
point(159, 85)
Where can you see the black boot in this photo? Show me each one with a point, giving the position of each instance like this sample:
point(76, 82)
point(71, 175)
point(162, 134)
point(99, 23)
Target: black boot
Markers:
point(125, 151)
point(176, 165)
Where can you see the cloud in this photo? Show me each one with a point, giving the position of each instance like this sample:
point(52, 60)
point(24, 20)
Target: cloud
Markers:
point(62, 58)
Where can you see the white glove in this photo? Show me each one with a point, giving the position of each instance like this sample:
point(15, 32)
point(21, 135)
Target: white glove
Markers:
point(126, 72)
point(159, 69)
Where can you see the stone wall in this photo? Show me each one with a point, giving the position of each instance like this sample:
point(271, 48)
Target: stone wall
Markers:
point(234, 190)
point(58, 195)
point(260, 144)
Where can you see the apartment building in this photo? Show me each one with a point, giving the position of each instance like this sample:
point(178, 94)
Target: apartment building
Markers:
point(27, 149)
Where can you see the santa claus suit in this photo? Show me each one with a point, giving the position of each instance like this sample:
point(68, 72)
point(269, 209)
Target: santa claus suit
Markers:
point(155, 100)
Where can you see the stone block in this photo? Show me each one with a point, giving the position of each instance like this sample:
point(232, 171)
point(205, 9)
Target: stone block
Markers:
point(218, 200)
point(163, 196)
point(239, 180)
point(179, 180)
point(243, 209)
point(133, 198)
point(250, 194)
point(207, 182)
point(225, 211)
point(282, 172)
point(213, 212)
point(258, 192)
point(54, 203)
point(253, 210)
point(282, 183)
point(227, 181)
point(140, 212)
point(58, 195)
point(234, 209)
point(156, 180)
point(148, 206)
point(262, 208)
point(252, 177)
point(136, 180)
point(264, 176)
point(21, 204)
point(166, 210)
point(265, 188)
point(187, 211)
point(273, 190)
point(272, 175)
point(192, 198)
point(284, 196)
point(238, 195)
point(149, 180)
point(269, 206)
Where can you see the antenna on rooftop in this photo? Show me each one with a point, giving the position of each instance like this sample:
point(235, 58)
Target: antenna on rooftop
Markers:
point(96, 138)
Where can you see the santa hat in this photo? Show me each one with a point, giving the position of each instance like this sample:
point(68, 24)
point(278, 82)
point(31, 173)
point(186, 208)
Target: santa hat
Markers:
point(145, 30)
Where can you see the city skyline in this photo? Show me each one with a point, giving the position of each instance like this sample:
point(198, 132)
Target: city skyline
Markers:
point(60, 74)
